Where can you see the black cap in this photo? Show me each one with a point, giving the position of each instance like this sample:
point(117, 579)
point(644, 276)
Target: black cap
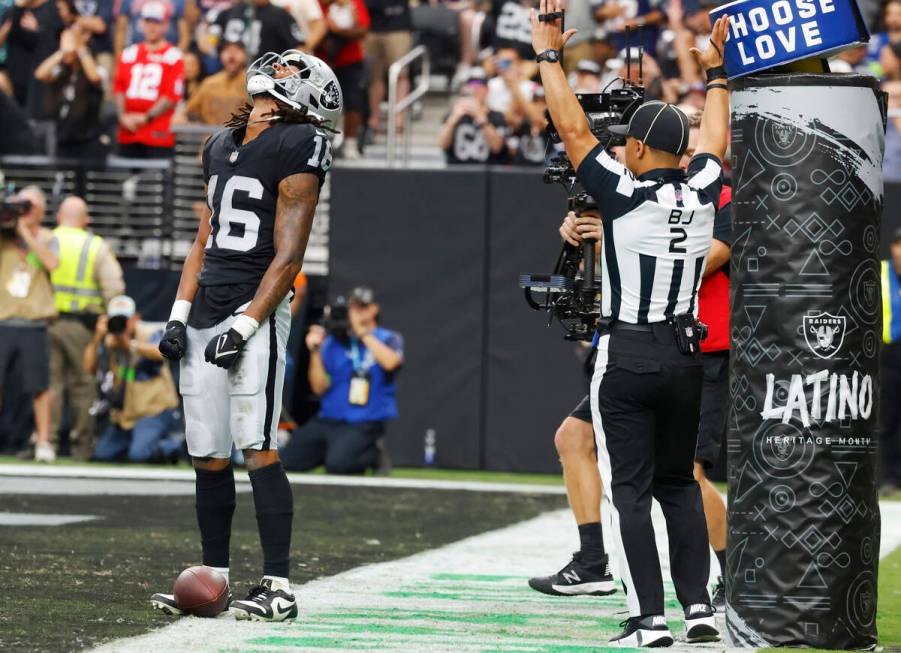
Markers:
point(896, 235)
point(361, 295)
point(226, 42)
point(658, 125)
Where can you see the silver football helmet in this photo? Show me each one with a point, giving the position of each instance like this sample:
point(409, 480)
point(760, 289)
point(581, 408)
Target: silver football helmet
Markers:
point(312, 88)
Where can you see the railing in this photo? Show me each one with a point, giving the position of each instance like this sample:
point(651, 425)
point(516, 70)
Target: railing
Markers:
point(145, 208)
point(402, 107)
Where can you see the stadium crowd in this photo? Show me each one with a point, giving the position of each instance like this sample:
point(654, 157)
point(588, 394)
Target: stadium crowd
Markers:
point(115, 75)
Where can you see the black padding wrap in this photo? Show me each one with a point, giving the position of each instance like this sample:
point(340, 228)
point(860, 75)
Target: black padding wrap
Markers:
point(215, 505)
point(725, 87)
point(804, 521)
point(550, 16)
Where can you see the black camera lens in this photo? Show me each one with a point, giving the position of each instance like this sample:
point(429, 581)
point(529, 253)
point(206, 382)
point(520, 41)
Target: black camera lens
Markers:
point(116, 325)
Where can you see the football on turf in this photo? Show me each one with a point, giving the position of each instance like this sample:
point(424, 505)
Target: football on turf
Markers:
point(201, 591)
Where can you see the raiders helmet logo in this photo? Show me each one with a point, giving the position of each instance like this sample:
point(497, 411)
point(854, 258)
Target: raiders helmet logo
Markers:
point(331, 97)
point(824, 333)
point(784, 134)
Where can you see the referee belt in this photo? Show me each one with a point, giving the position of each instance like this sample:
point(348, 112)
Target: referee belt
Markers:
point(662, 331)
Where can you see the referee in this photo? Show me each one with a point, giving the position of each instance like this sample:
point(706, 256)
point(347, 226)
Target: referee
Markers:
point(646, 390)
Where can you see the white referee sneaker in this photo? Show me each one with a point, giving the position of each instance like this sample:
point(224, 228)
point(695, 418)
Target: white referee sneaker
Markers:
point(646, 390)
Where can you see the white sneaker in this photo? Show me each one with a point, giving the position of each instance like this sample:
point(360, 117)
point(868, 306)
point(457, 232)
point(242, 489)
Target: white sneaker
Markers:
point(649, 632)
point(700, 624)
point(44, 452)
point(269, 601)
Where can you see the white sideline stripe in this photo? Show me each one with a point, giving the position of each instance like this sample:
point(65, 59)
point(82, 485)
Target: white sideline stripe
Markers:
point(535, 546)
point(40, 519)
point(115, 473)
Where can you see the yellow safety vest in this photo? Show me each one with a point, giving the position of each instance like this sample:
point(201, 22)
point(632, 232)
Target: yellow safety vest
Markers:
point(74, 287)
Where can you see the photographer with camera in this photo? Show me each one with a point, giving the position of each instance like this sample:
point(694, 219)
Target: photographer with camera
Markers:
point(353, 369)
point(28, 254)
point(646, 389)
point(588, 573)
point(136, 387)
point(472, 132)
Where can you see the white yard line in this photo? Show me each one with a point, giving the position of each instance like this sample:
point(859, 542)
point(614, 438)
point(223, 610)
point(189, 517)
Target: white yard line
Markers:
point(139, 474)
point(465, 597)
point(40, 519)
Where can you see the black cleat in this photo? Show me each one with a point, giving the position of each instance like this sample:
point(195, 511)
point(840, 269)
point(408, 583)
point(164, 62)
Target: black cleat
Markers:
point(719, 595)
point(577, 579)
point(165, 603)
point(266, 603)
point(700, 624)
point(650, 632)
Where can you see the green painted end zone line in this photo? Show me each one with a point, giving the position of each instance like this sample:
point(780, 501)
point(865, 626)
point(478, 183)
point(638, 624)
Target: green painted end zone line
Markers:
point(472, 597)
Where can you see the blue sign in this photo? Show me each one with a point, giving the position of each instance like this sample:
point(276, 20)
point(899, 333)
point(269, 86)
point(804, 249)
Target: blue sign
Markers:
point(768, 33)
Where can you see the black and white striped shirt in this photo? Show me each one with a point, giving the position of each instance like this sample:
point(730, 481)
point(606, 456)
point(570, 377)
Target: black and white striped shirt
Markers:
point(657, 234)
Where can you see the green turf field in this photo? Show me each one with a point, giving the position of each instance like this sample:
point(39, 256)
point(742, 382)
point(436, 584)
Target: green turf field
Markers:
point(86, 583)
point(91, 580)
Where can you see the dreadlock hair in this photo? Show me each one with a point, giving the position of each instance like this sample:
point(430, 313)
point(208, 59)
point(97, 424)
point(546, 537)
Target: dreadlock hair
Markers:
point(282, 113)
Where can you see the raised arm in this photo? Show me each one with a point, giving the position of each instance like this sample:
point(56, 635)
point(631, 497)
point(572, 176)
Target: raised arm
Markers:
point(715, 123)
point(567, 114)
point(682, 42)
point(47, 71)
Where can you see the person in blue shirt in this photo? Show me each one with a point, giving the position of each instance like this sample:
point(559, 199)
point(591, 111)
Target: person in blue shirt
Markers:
point(354, 375)
point(890, 363)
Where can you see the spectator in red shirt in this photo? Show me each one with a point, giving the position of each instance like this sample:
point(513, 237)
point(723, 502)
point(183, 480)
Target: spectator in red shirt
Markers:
point(342, 48)
point(149, 83)
point(713, 310)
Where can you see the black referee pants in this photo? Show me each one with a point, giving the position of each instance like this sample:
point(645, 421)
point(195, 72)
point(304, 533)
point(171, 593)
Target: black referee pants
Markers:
point(646, 399)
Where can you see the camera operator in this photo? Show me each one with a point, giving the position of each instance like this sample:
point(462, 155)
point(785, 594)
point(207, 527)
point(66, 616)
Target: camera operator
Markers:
point(353, 370)
point(137, 386)
point(646, 389)
point(28, 254)
point(588, 572)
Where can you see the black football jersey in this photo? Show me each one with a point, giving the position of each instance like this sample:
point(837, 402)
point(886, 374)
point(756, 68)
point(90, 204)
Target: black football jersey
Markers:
point(242, 191)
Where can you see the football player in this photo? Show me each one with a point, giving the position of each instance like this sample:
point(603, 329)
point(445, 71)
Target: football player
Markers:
point(230, 321)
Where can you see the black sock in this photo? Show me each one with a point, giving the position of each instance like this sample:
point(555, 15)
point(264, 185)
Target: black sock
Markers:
point(215, 505)
point(721, 556)
point(591, 539)
point(275, 513)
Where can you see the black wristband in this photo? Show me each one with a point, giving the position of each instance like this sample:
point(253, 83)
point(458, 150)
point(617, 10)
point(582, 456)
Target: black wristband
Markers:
point(717, 72)
point(725, 87)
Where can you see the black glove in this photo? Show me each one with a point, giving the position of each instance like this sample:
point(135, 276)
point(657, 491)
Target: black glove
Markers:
point(223, 350)
point(175, 341)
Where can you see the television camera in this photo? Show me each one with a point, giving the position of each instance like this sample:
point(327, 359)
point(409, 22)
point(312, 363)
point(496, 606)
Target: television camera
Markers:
point(570, 292)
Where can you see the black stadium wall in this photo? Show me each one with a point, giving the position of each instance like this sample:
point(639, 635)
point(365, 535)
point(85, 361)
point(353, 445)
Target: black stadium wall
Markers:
point(443, 249)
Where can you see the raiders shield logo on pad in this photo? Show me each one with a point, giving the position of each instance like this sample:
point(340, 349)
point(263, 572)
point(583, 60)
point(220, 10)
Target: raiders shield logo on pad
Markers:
point(824, 333)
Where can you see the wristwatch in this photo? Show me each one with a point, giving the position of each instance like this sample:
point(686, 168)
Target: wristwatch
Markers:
point(551, 56)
